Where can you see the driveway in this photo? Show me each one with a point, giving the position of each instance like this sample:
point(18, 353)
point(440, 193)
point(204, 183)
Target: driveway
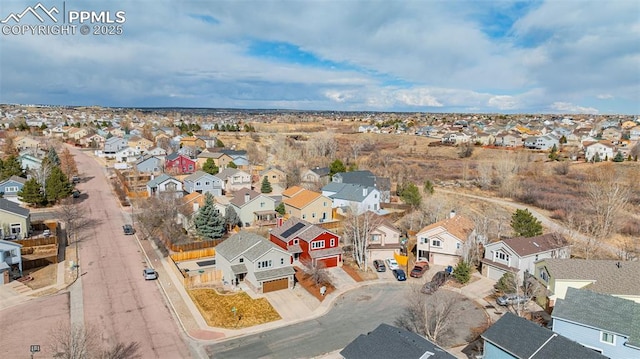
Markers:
point(293, 304)
point(340, 279)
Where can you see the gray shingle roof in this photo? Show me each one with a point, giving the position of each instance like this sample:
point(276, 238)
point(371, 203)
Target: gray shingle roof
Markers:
point(387, 341)
point(607, 277)
point(156, 181)
point(8, 206)
point(252, 246)
point(524, 339)
point(352, 192)
point(274, 273)
point(601, 311)
point(307, 232)
point(364, 178)
point(196, 175)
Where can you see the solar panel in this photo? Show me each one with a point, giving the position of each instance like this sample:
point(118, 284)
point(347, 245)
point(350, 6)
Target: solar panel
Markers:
point(296, 227)
point(206, 263)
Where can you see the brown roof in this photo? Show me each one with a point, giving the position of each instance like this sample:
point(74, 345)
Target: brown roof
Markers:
point(607, 277)
point(239, 200)
point(459, 226)
point(291, 191)
point(527, 246)
point(301, 199)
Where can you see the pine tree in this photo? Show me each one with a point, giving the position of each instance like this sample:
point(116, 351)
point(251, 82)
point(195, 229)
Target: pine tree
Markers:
point(231, 218)
point(336, 167)
point(462, 272)
point(524, 224)
point(10, 167)
point(232, 165)
point(410, 195)
point(428, 187)
point(208, 222)
point(266, 186)
point(280, 208)
point(52, 155)
point(210, 167)
point(57, 185)
point(31, 193)
point(619, 157)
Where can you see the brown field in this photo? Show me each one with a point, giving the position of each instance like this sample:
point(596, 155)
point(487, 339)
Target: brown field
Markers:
point(216, 309)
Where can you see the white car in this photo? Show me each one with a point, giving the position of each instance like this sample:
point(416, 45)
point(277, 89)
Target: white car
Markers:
point(392, 264)
point(150, 274)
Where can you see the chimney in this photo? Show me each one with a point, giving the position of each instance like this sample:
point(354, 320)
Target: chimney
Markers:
point(247, 197)
point(279, 222)
point(452, 213)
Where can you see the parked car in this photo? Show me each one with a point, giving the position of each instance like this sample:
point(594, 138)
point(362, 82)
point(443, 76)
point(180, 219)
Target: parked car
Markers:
point(75, 194)
point(392, 264)
point(438, 280)
point(46, 233)
point(399, 274)
point(128, 229)
point(419, 269)
point(511, 299)
point(379, 265)
point(150, 274)
point(75, 179)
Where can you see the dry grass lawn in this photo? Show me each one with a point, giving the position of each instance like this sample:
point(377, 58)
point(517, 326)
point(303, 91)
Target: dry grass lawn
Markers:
point(216, 309)
point(42, 277)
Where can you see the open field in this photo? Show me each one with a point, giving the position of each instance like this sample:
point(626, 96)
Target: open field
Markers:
point(217, 308)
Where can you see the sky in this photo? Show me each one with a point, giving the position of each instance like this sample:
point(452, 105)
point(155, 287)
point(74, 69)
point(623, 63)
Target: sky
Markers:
point(473, 56)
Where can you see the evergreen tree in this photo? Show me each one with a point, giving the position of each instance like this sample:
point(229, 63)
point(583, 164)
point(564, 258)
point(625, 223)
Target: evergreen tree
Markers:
point(231, 218)
point(553, 155)
point(506, 283)
point(219, 143)
point(524, 224)
point(208, 222)
point(57, 185)
point(428, 187)
point(336, 166)
point(31, 193)
point(210, 167)
point(266, 186)
point(563, 140)
point(280, 208)
point(410, 194)
point(596, 158)
point(462, 272)
point(232, 165)
point(10, 167)
point(619, 157)
point(216, 127)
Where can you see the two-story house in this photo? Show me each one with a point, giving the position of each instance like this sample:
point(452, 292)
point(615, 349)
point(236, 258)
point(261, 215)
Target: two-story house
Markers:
point(234, 179)
point(253, 207)
point(351, 197)
point(513, 337)
point(149, 164)
point(518, 255)
point(165, 185)
point(10, 188)
point(442, 243)
point(10, 260)
point(384, 239)
point(308, 243)
point(315, 177)
point(612, 277)
point(308, 205)
point(604, 150)
point(202, 182)
point(275, 176)
point(140, 143)
point(128, 154)
point(220, 159)
point(249, 258)
point(368, 179)
point(606, 324)
point(113, 145)
point(179, 164)
point(15, 221)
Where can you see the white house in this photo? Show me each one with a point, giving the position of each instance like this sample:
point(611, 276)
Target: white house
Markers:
point(348, 196)
point(164, 184)
point(10, 259)
point(604, 150)
point(441, 243)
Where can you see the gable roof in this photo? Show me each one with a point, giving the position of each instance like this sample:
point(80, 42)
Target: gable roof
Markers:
point(526, 340)
point(11, 207)
point(251, 245)
point(459, 226)
point(197, 175)
point(607, 276)
point(292, 191)
point(348, 192)
point(601, 311)
point(160, 179)
point(238, 199)
point(387, 341)
point(228, 172)
point(301, 199)
point(14, 178)
point(298, 228)
point(320, 171)
point(363, 178)
point(524, 246)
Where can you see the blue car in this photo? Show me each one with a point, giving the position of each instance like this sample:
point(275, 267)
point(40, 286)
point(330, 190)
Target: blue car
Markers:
point(399, 274)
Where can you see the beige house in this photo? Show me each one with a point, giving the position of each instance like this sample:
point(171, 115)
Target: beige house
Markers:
point(76, 134)
point(25, 142)
point(15, 221)
point(383, 241)
point(253, 207)
point(221, 160)
point(441, 243)
point(275, 177)
point(311, 206)
point(612, 277)
point(140, 143)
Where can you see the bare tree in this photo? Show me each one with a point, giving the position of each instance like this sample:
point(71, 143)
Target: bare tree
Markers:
point(356, 147)
point(357, 233)
point(68, 163)
point(432, 318)
point(122, 351)
point(73, 215)
point(317, 271)
point(606, 196)
point(627, 249)
point(77, 342)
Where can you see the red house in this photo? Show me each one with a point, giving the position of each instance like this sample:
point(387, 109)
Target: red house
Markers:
point(179, 164)
point(308, 242)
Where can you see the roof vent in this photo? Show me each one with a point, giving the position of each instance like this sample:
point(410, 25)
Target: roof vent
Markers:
point(536, 244)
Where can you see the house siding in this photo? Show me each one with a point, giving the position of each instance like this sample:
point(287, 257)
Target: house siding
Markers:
point(246, 213)
point(590, 337)
point(493, 352)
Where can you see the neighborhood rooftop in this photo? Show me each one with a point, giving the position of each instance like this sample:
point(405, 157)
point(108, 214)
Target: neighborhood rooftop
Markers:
point(607, 276)
point(524, 246)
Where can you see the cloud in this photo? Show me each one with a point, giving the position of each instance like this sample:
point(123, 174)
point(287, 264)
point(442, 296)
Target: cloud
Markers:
point(565, 107)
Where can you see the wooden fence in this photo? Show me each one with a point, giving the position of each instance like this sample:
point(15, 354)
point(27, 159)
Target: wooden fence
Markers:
point(177, 248)
point(194, 279)
point(34, 242)
point(198, 253)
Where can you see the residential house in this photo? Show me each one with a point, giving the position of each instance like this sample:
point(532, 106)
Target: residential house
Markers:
point(202, 182)
point(157, 151)
point(10, 188)
point(191, 203)
point(77, 133)
point(308, 243)
point(140, 143)
point(209, 141)
point(317, 176)
point(515, 337)
point(10, 260)
point(368, 129)
point(29, 161)
point(15, 221)
point(220, 159)
point(604, 150)
point(366, 178)
point(25, 142)
point(253, 207)
point(387, 341)
point(456, 138)
point(543, 143)
point(128, 154)
point(239, 157)
point(164, 184)
point(509, 140)
point(149, 164)
point(518, 255)
point(442, 243)
point(179, 164)
point(193, 142)
point(248, 258)
point(275, 176)
point(634, 133)
point(384, 240)
point(612, 277)
point(308, 205)
point(612, 134)
point(93, 141)
point(484, 138)
point(113, 145)
point(234, 179)
point(351, 197)
point(606, 324)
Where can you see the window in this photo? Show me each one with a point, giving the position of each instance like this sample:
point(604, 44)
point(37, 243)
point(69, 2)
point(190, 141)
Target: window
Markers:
point(261, 204)
point(317, 244)
point(207, 183)
point(264, 264)
point(313, 215)
point(304, 216)
point(502, 256)
point(296, 241)
point(281, 260)
point(16, 228)
point(190, 167)
point(608, 338)
point(10, 189)
point(543, 275)
point(332, 243)
point(423, 240)
point(241, 260)
point(436, 243)
point(536, 257)
point(197, 183)
point(458, 245)
point(376, 237)
point(324, 204)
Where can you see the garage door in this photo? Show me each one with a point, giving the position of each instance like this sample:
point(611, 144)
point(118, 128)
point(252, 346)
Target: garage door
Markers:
point(329, 262)
point(494, 273)
point(273, 285)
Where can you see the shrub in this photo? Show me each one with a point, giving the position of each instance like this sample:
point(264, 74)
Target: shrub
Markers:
point(462, 272)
